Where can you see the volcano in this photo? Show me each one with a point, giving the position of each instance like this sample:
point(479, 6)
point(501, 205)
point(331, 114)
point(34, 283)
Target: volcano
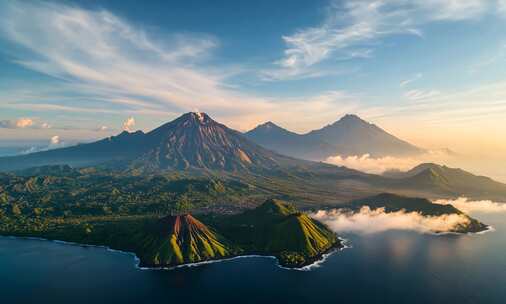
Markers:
point(181, 239)
point(192, 141)
point(195, 141)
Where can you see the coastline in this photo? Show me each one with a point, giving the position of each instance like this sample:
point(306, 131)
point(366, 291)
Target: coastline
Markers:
point(315, 263)
point(486, 230)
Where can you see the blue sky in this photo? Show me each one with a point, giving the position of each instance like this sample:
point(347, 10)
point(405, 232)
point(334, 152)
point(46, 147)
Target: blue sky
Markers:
point(429, 71)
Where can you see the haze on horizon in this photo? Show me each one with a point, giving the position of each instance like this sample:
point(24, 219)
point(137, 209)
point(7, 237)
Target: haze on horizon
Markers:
point(429, 72)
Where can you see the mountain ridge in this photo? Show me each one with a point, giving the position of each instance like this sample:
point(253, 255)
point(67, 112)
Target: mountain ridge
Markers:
point(347, 136)
point(197, 145)
point(286, 142)
point(191, 141)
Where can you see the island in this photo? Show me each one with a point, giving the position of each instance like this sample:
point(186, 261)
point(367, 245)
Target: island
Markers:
point(275, 228)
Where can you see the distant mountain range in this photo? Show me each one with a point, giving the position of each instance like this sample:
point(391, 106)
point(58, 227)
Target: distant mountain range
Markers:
point(348, 136)
point(196, 143)
point(450, 181)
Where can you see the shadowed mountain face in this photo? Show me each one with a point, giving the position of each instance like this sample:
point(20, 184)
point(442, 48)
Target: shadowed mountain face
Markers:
point(192, 141)
point(273, 137)
point(449, 181)
point(348, 136)
point(116, 148)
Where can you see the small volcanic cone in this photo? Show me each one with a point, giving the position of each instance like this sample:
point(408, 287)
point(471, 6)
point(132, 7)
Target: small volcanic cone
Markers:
point(183, 239)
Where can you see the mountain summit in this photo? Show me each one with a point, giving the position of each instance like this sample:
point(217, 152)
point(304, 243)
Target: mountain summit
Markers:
point(194, 140)
point(350, 135)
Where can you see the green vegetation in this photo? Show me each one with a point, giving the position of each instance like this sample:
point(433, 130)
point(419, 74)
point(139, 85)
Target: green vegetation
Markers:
point(274, 228)
point(123, 211)
point(180, 239)
point(82, 196)
point(278, 228)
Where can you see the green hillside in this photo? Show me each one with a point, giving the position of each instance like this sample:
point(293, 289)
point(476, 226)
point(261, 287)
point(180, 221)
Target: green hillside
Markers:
point(275, 229)
point(180, 239)
point(278, 228)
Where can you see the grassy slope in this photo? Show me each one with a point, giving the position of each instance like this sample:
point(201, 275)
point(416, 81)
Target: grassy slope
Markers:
point(279, 229)
point(181, 239)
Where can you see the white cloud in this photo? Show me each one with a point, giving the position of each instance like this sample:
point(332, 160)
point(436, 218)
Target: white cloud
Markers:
point(23, 123)
point(501, 6)
point(14, 124)
point(490, 59)
point(469, 206)
point(351, 24)
point(130, 70)
point(469, 105)
point(454, 10)
point(55, 142)
point(366, 163)
point(129, 124)
point(421, 94)
point(410, 80)
point(377, 220)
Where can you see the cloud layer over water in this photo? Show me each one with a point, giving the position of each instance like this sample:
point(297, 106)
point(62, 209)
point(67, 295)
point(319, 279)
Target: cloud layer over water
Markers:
point(368, 164)
point(374, 221)
point(467, 206)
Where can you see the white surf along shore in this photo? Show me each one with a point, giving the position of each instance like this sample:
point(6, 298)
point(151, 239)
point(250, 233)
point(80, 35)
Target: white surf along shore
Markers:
point(344, 242)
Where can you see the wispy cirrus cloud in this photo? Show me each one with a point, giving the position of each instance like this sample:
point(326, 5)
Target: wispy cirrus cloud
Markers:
point(109, 65)
point(483, 102)
point(412, 79)
point(131, 71)
point(421, 94)
point(353, 25)
point(490, 59)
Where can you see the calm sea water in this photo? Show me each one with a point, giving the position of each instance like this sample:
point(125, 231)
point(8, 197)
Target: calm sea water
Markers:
point(391, 267)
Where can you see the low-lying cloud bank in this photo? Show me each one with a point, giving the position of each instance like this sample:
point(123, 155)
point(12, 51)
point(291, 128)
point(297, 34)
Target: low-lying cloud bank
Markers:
point(373, 221)
point(368, 164)
point(467, 206)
